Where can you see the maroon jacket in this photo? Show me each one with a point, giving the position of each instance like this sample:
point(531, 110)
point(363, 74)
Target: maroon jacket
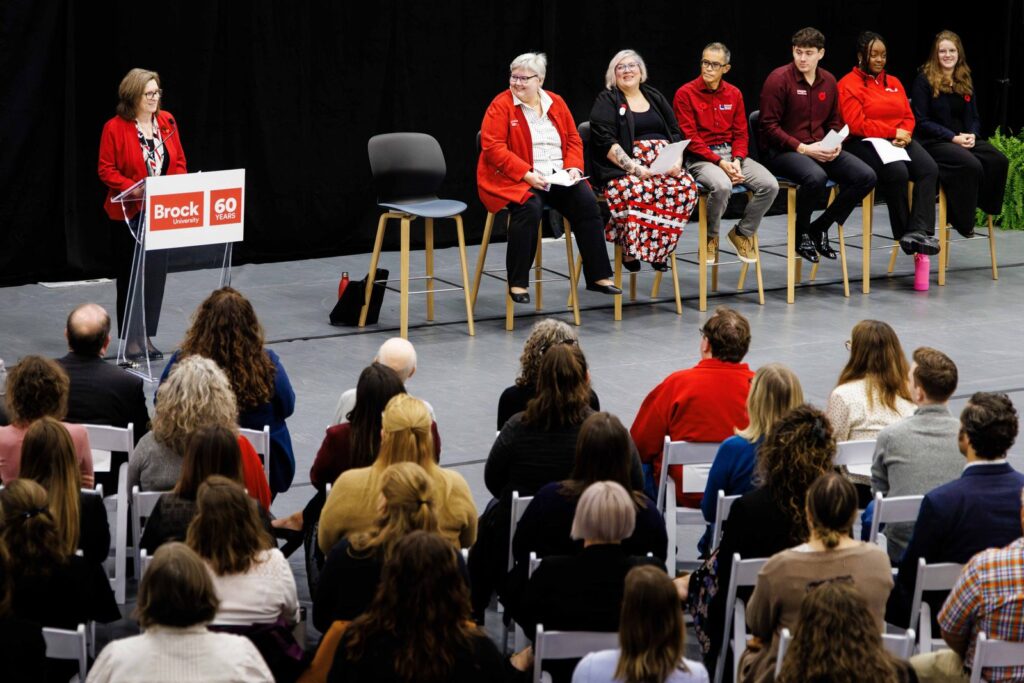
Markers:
point(711, 117)
point(793, 112)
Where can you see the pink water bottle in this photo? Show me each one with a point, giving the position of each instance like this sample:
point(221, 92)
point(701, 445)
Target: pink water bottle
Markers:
point(922, 268)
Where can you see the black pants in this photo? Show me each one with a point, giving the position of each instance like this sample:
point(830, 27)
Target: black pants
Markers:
point(854, 177)
point(155, 276)
point(972, 178)
point(904, 216)
point(578, 204)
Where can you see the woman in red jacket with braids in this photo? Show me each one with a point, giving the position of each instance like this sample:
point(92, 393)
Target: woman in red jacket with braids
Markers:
point(875, 105)
point(141, 141)
point(526, 136)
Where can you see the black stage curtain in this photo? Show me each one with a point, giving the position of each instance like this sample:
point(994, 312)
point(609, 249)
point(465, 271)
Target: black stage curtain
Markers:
point(291, 91)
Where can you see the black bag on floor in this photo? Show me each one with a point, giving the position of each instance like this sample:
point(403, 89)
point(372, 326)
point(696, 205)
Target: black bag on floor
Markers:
point(346, 311)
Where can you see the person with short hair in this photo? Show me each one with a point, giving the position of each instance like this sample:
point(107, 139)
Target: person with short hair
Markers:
point(919, 453)
point(980, 510)
point(652, 637)
point(829, 554)
point(631, 122)
point(395, 353)
point(177, 600)
point(703, 403)
point(799, 106)
point(712, 116)
point(528, 135)
point(37, 387)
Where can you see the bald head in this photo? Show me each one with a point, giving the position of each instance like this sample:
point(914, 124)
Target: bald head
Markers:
point(399, 355)
point(88, 330)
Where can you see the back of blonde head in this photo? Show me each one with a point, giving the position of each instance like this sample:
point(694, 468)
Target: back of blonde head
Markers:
point(774, 392)
point(407, 438)
point(196, 394)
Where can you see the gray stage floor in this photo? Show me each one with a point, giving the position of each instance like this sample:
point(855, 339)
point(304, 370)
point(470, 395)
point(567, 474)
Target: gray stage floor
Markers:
point(976, 320)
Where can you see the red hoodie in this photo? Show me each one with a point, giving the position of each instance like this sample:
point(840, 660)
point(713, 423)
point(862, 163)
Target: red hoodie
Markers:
point(874, 107)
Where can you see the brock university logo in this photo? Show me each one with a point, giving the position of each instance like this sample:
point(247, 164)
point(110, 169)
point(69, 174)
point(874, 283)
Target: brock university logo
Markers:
point(174, 211)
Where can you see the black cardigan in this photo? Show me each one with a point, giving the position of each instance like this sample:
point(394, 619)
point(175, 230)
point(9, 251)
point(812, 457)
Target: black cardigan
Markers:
point(934, 116)
point(607, 128)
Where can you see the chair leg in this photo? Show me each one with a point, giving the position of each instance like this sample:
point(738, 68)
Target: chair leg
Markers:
point(428, 257)
point(509, 317)
point(943, 238)
point(814, 272)
point(714, 274)
point(757, 270)
point(702, 253)
point(482, 256)
point(579, 273)
point(632, 286)
point(403, 304)
point(675, 283)
point(618, 281)
point(867, 220)
point(992, 246)
point(656, 285)
point(892, 258)
point(465, 274)
point(572, 274)
point(538, 267)
point(791, 263)
point(374, 259)
point(842, 259)
point(743, 276)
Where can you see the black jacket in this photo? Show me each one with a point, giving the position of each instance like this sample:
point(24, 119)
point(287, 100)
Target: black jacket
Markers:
point(608, 127)
point(104, 394)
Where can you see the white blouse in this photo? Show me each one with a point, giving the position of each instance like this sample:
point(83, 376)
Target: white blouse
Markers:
point(852, 418)
point(547, 143)
point(259, 596)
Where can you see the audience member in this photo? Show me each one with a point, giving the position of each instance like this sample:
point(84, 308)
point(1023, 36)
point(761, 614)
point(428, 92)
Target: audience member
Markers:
point(48, 458)
point(38, 387)
point(352, 571)
point(100, 393)
point(352, 506)
point(774, 392)
point(703, 403)
point(828, 555)
point(919, 453)
point(799, 106)
point(980, 510)
point(177, 600)
point(797, 450)
point(225, 329)
point(395, 353)
point(418, 626)
point(652, 637)
point(196, 394)
point(872, 389)
point(545, 334)
point(712, 116)
point(22, 648)
point(837, 639)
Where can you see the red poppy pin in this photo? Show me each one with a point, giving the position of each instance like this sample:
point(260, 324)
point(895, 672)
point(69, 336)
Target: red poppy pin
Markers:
point(821, 96)
point(967, 98)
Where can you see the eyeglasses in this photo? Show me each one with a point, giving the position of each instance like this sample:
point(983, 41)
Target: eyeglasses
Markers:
point(622, 68)
point(155, 95)
point(520, 79)
point(714, 66)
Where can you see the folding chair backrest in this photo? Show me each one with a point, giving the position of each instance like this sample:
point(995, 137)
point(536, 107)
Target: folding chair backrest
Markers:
point(568, 645)
point(143, 504)
point(65, 644)
point(744, 574)
point(722, 510)
point(117, 520)
point(855, 453)
point(105, 438)
point(519, 505)
point(995, 653)
point(260, 440)
point(682, 453)
point(893, 509)
point(930, 577)
point(785, 638)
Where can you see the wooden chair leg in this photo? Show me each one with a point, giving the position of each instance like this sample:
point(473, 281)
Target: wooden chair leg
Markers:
point(632, 286)
point(572, 275)
point(757, 270)
point(465, 274)
point(509, 315)
point(743, 276)
point(675, 283)
point(403, 303)
point(428, 257)
point(842, 259)
point(992, 246)
point(482, 256)
point(791, 258)
point(656, 286)
point(892, 258)
point(538, 268)
point(814, 272)
point(618, 280)
point(867, 221)
point(943, 238)
point(374, 259)
point(579, 273)
point(702, 253)
point(714, 273)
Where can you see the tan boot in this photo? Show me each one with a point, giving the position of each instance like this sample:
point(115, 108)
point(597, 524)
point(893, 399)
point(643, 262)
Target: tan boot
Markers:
point(744, 246)
point(712, 250)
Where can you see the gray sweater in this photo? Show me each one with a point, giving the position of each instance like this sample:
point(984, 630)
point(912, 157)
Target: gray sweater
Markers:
point(912, 457)
point(153, 466)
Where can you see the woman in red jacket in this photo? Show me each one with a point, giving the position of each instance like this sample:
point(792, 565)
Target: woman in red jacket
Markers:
point(141, 141)
point(527, 140)
point(875, 105)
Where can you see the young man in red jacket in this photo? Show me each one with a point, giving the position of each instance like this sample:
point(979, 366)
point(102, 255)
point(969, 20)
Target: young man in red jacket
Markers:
point(707, 402)
point(711, 114)
point(799, 106)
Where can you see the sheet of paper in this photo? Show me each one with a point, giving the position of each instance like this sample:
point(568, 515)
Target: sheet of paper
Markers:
point(887, 151)
point(668, 157)
point(834, 139)
point(562, 178)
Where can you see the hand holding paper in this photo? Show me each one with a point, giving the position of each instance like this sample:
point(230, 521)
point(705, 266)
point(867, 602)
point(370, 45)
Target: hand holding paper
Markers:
point(668, 157)
point(834, 139)
point(887, 151)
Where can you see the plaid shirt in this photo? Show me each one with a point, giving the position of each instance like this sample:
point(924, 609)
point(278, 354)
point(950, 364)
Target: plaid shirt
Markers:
point(989, 597)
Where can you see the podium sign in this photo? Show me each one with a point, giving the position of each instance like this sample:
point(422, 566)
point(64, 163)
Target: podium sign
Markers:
point(194, 209)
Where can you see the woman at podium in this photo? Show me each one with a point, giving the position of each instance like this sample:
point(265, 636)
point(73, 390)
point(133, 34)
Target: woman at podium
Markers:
point(139, 142)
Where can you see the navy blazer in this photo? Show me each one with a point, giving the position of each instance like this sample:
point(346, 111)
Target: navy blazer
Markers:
point(934, 116)
point(980, 510)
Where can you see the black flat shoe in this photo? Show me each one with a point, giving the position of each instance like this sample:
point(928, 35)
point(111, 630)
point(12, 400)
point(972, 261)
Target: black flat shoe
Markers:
point(822, 246)
point(611, 290)
point(660, 266)
point(927, 245)
point(155, 353)
point(968, 234)
point(632, 266)
point(519, 297)
point(805, 247)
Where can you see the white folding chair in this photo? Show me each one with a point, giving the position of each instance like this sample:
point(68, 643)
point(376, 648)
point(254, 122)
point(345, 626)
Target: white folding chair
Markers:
point(64, 644)
point(260, 440)
point(722, 509)
point(698, 458)
point(143, 503)
point(891, 510)
point(930, 577)
point(857, 455)
point(899, 645)
point(116, 565)
point(995, 653)
point(567, 645)
point(104, 440)
point(744, 574)
point(144, 560)
point(534, 563)
point(327, 488)
point(519, 505)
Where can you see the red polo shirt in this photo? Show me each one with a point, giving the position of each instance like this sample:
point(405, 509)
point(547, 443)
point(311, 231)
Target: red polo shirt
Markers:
point(795, 112)
point(874, 106)
point(711, 117)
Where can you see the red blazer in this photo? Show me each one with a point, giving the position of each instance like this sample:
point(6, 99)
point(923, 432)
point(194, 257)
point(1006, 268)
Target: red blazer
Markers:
point(121, 164)
point(506, 150)
point(874, 106)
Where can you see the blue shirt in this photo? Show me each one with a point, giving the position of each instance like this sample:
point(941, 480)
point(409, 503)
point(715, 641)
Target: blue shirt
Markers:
point(732, 472)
